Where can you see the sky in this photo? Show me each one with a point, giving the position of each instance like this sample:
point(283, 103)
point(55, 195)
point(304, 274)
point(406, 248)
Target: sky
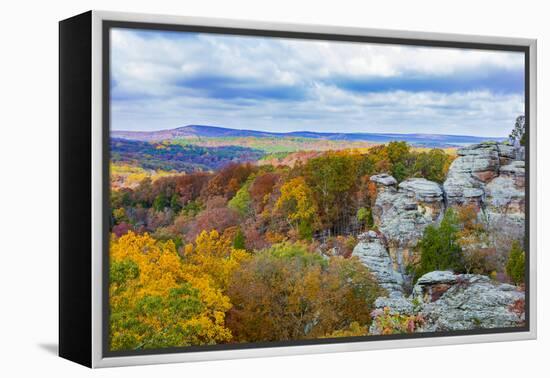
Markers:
point(163, 80)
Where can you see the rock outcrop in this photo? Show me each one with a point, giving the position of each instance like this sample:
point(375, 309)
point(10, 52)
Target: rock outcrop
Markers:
point(402, 212)
point(475, 167)
point(468, 173)
point(450, 302)
point(373, 254)
point(490, 176)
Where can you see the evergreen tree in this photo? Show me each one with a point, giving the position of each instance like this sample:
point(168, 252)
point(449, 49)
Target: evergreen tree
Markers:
point(439, 248)
point(239, 242)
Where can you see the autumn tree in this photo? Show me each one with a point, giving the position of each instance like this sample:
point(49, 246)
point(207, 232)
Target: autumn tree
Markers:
point(214, 218)
point(261, 189)
point(297, 205)
point(288, 293)
point(214, 256)
point(228, 180)
point(432, 165)
point(155, 303)
point(333, 178)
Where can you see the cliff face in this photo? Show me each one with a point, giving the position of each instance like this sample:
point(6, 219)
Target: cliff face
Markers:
point(402, 212)
point(490, 176)
point(372, 252)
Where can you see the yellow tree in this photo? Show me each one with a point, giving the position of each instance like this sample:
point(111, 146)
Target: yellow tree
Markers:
point(297, 205)
point(155, 302)
point(213, 255)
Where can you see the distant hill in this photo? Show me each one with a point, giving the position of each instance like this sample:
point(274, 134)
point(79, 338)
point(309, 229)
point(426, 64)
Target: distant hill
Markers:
point(174, 157)
point(201, 131)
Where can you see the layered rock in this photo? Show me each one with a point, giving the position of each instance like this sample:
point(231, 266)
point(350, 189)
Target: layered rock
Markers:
point(402, 212)
point(450, 302)
point(474, 168)
point(492, 177)
point(373, 254)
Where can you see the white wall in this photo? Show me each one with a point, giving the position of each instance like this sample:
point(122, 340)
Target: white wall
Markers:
point(28, 207)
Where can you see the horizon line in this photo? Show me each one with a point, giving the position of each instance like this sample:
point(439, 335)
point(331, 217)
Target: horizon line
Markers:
point(306, 131)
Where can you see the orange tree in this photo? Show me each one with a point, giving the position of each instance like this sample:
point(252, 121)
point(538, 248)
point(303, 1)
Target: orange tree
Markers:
point(288, 293)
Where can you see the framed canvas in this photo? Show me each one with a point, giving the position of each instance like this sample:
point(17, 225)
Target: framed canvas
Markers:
point(240, 189)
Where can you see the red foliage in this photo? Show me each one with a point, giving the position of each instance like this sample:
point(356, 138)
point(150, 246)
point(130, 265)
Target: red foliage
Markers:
point(261, 188)
point(189, 187)
point(228, 180)
point(218, 219)
point(121, 229)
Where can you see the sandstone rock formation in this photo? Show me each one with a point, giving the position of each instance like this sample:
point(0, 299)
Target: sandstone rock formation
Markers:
point(373, 254)
point(490, 176)
point(402, 212)
point(450, 302)
point(475, 167)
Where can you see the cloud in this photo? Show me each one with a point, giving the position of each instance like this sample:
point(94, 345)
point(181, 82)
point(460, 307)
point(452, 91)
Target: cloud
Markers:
point(165, 80)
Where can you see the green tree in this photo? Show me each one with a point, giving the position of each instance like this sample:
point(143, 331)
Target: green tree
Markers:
point(400, 157)
point(364, 217)
point(399, 171)
point(439, 247)
point(333, 178)
point(175, 203)
point(515, 267)
point(240, 241)
point(161, 202)
point(432, 165)
point(241, 201)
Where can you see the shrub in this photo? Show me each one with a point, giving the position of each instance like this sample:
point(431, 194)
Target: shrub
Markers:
point(388, 323)
point(515, 267)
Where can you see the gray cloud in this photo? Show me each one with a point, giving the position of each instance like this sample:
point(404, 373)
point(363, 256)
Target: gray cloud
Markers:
point(165, 80)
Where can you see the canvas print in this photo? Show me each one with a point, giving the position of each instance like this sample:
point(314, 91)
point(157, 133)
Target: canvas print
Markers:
point(269, 190)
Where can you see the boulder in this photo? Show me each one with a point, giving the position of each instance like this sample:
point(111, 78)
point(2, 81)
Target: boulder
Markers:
point(373, 254)
point(469, 301)
point(450, 302)
point(384, 179)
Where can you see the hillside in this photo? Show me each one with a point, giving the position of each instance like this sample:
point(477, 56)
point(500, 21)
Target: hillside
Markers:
point(175, 157)
point(201, 131)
